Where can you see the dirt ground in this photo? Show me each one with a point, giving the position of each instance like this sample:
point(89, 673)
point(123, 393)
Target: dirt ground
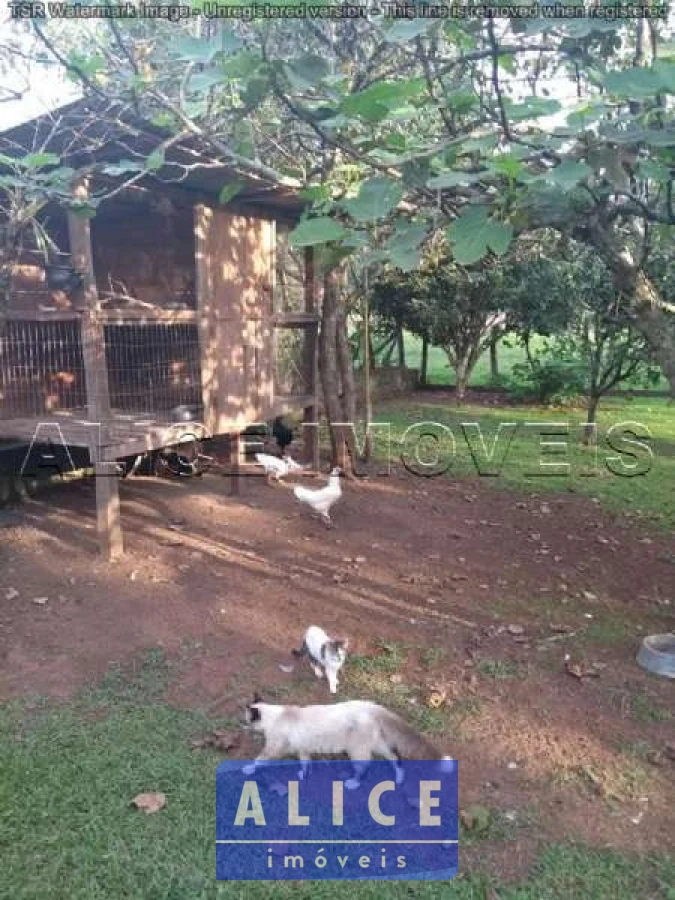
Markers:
point(425, 577)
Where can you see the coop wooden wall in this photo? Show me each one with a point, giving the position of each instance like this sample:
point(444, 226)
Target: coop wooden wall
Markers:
point(149, 251)
point(234, 302)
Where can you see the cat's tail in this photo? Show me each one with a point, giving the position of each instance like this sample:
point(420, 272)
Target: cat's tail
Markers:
point(301, 652)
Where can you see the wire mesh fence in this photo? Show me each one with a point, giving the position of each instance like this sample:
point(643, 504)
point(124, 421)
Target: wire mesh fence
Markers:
point(153, 368)
point(289, 360)
point(290, 275)
point(41, 368)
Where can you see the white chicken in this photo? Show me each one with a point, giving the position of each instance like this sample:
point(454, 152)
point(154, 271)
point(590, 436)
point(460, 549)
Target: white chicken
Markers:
point(276, 467)
point(322, 500)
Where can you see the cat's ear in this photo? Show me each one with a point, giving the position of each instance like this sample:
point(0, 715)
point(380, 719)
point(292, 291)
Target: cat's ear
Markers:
point(257, 698)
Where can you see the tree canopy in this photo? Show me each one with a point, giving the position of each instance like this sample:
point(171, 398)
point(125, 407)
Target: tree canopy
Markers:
point(396, 129)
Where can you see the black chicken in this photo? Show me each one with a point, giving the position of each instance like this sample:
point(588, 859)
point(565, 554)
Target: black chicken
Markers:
point(283, 434)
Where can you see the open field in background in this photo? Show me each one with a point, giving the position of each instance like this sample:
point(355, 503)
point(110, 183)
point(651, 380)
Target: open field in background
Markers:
point(510, 353)
point(517, 462)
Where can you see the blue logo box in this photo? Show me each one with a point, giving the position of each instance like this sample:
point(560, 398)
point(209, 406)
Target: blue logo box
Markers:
point(275, 825)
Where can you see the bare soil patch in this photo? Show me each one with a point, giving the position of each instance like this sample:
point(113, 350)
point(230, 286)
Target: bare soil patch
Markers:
point(425, 578)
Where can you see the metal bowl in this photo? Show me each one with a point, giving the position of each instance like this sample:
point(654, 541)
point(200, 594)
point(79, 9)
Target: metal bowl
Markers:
point(184, 414)
point(657, 654)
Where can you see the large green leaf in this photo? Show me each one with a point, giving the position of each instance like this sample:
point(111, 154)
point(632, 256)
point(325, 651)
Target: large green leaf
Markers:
point(376, 101)
point(242, 64)
point(507, 164)
point(453, 179)
point(532, 108)
point(123, 167)
point(640, 83)
point(376, 198)
point(39, 160)
point(567, 175)
point(665, 69)
point(407, 29)
point(155, 161)
point(473, 234)
point(230, 190)
point(307, 70)
point(311, 232)
point(197, 49)
point(403, 247)
point(204, 81)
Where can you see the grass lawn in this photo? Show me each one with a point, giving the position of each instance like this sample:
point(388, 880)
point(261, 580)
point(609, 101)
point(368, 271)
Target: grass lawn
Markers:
point(517, 461)
point(510, 353)
point(67, 832)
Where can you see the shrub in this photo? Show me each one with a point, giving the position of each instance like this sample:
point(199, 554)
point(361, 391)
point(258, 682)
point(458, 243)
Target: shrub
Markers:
point(551, 382)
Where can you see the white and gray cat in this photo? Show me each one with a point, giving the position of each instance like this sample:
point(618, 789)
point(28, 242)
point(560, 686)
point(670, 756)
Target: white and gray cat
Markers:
point(326, 655)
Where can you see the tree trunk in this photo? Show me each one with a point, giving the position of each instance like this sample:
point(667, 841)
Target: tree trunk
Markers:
point(591, 417)
point(494, 359)
point(652, 318)
point(330, 371)
point(345, 363)
point(401, 348)
point(528, 350)
point(462, 373)
point(367, 382)
point(424, 362)
point(656, 324)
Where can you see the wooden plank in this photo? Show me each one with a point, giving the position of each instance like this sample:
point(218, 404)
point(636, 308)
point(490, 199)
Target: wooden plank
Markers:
point(108, 522)
point(234, 310)
point(310, 423)
point(152, 317)
point(38, 315)
point(288, 320)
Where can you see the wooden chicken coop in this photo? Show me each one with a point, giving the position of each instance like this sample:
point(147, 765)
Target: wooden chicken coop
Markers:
point(164, 299)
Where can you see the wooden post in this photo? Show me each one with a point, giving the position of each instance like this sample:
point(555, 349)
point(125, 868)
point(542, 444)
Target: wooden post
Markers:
point(235, 459)
point(310, 422)
point(367, 387)
point(96, 380)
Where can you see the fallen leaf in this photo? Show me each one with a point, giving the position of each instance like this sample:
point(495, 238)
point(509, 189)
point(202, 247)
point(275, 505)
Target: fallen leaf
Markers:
point(515, 629)
point(11, 593)
point(589, 595)
point(584, 670)
point(360, 559)
point(286, 669)
point(40, 601)
point(437, 697)
point(218, 740)
point(150, 802)
point(475, 818)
